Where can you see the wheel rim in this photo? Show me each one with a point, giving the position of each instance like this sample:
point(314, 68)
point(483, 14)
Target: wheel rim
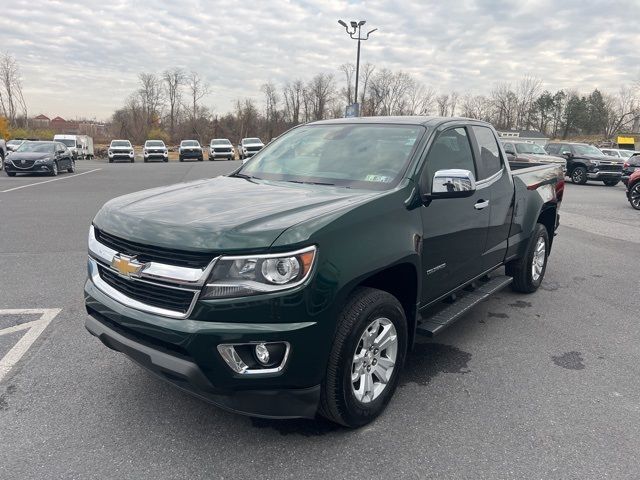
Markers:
point(577, 176)
point(539, 257)
point(635, 196)
point(374, 360)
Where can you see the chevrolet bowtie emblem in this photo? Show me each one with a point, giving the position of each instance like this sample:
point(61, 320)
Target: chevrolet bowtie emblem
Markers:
point(127, 266)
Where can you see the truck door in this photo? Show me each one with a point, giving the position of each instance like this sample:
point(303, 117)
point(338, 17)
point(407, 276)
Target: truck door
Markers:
point(494, 178)
point(454, 229)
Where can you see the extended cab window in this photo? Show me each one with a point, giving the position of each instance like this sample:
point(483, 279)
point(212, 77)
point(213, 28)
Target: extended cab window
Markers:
point(450, 150)
point(490, 162)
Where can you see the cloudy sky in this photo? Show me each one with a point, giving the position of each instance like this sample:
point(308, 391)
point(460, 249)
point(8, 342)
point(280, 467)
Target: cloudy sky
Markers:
point(82, 58)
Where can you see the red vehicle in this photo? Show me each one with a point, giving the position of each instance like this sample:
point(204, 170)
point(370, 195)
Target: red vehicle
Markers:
point(633, 189)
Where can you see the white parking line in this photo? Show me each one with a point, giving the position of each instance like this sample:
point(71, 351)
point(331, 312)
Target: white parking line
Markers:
point(35, 328)
point(48, 181)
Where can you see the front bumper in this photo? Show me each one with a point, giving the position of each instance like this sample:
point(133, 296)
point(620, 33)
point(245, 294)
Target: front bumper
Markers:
point(194, 154)
point(228, 155)
point(184, 353)
point(596, 174)
point(35, 168)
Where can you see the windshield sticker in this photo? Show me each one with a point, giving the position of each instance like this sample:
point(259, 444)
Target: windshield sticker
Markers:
point(378, 178)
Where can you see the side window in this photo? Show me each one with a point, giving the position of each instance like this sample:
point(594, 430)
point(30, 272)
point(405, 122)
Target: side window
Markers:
point(564, 148)
point(490, 162)
point(552, 148)
point(509, 148)
point(450, 150)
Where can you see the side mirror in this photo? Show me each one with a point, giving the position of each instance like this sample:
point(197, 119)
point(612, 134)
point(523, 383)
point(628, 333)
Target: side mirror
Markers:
point(452, 183)
point(567, 154)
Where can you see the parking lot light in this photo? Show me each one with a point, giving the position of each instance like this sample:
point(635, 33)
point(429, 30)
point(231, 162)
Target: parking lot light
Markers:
point(357, 27)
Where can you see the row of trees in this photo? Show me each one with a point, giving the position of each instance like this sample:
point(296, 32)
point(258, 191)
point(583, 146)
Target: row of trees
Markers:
point(170, 106)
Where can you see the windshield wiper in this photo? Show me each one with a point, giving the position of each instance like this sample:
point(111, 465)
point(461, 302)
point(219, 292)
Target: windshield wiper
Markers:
point(311, 183)
point(246, 177)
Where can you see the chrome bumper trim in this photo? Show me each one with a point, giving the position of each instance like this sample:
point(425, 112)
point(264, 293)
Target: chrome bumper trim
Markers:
point(195, 277)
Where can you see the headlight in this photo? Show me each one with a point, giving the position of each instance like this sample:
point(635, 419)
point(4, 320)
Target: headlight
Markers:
point(253, 274)
point(43, 160)
point(145, 153)
point(166, 152)
point(110, 153)
point(595, 162)
point(131, 153)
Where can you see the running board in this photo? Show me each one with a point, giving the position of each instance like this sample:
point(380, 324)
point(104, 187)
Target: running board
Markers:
point(468, 299)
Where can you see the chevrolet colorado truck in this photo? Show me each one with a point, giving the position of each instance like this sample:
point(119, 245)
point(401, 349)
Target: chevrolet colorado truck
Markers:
point(155, 150)
point(248, 147)
point(296, 285)
point(190, 149)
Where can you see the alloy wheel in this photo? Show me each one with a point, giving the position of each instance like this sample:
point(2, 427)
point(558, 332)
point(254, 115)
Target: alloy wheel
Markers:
point(539, 258)
point(374, 360)
point(577, 176)
point(634, 196)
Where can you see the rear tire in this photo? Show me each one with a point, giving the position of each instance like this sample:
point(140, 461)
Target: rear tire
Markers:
point(527, 277)
point(579, 175)
point(54, 169)
point(111, 160)
point(361, 355)
point(10, 174)
point(611, 183)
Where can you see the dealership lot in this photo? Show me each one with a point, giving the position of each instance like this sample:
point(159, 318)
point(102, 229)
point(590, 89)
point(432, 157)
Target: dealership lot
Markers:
point(540, 386)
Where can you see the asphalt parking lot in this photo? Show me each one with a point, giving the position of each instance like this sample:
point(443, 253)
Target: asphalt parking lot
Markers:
point(538, 386)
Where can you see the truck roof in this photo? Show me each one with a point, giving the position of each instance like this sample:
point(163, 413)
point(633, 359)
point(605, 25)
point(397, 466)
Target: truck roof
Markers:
point(427, 121)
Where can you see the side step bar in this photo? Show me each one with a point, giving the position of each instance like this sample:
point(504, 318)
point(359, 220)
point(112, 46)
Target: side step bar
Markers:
point(468, 299)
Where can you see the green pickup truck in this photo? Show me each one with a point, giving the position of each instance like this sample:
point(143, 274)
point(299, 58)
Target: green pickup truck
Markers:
point(297, 285)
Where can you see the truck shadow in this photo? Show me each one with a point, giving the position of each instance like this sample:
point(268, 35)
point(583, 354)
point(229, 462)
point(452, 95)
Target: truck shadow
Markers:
point(428, 360)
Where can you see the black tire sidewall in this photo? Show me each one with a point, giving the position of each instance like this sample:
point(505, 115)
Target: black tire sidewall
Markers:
point(355, 413)
point(583, 176)
point(635, 186)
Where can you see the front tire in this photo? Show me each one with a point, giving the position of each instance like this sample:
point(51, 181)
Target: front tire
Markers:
point(366, 358)
point(528, 271)
point(54, 169)
point(10, 174)
point(579, 175)
point(72, 168)
point(611, 183)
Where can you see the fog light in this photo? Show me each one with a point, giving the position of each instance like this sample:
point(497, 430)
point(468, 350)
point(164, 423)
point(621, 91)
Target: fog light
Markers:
point(262, 353)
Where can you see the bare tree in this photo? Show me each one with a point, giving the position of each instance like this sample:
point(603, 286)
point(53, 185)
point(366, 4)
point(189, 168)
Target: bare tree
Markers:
point(197, 89)
point(319, 92)
point(622, 109)
point(453, 103)
point(527, 91)
point(271, 100)
point(293, 93)
point(505, 104)
point(366, 73)
point(443, 104)
point(151, 97)
point(420, 99)
point(11, 98)
point(173, 80)
point(349, 71)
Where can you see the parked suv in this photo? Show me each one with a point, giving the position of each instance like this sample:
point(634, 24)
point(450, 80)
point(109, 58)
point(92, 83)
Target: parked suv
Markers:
point(121, 150)
point(248, 147)
point(220, 148)
point(3, 152)
point(190, 149)
point(155, 150)
point(585, 162)
point(618, 152)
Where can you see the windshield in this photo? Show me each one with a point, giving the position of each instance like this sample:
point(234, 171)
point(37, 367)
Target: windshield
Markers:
point(370, 156)
point(154, 143)
point(530, 148)
point(40, 147)
point(67, 141)
point(121, 143)
point(15, 142)
point(220, 142)
point(587, 150)
point(625, 153)
point(252, 140)
point(190, 143)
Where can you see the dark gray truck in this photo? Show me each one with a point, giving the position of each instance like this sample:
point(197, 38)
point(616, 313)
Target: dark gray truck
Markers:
point(297, 285)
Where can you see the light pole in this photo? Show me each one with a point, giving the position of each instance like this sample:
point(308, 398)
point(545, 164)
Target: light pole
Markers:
point(356, 27)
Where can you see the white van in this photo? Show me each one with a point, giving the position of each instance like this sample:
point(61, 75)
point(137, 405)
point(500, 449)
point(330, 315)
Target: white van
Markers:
point(81, 146)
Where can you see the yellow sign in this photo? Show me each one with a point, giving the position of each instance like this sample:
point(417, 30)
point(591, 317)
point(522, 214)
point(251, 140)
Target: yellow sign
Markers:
point(626, 141)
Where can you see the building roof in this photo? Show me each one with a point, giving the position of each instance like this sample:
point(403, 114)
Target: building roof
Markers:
point(58, 119)
point(522, 134)
point(42, 117)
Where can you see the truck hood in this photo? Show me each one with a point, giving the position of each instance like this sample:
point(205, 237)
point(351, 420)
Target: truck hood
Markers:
point(603, 158)
point(221, 214)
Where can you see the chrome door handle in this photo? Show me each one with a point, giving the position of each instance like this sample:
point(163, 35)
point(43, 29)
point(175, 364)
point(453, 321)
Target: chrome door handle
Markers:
point(480, 204)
